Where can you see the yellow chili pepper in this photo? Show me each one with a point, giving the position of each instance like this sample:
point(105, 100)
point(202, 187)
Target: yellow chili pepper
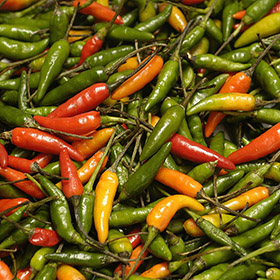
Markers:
point(67, 272)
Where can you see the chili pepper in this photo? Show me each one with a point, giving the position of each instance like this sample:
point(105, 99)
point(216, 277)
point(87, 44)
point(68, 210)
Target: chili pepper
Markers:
point(48, 272)
point(4, 156)
point(98, 11)
point(224, 101)
point(8, 203)
point(213, 273)
point(10, 191)
point(89, 147)
point(6, 227)
point(157, 271)
point(104, 196)
point(44, 237)
point(24, 274)
point(259, 147)
point(140, 79)
point(65, 271)
point(193, 230)
point(18, 237)
point(142, 178)
point(52, 66)
point(246, 240)
point(32, 139)
point(121, 246)
point(6, 274)
point(239, 14)
point(58, 25)
point(258, 211)
point(196, 129)
point(134, 239)
point(154, 23)
point(269, 26)
point(243, 271)
point(17, 50)
point(202, 172)
point(145, 11)
point(183, 148)
point(60, 213)
point(216, 63)
point(230, 8)
point(22, 94)
point(38, 261)
point(131, 216)
point(26, 186)
point(130, 64)
point(272, 273)
point(81, 258)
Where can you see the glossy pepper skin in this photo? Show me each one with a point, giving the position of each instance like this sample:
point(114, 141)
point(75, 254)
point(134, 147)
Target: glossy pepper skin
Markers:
point(188, 149)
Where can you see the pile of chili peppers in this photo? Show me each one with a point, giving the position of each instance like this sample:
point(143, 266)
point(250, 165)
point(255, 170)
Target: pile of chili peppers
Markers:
point(139, 139)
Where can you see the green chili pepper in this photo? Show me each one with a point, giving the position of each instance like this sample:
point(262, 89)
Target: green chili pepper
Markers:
point(20, 32)
point(203, 171)
point(22, 94)
point(10, 191)
point(242, 271)
point(154, 23)
point(176, 225)
point(258, 211)
point(27, 21)
point(40, 111)
point(52, 67)
point(246, 240)
point(230, 8)
point(268, 79)
point(76, 48)
point(217, 63)
point(252, 179)
point(212, 273)
point(38, 261)
point(27, 255)
point(130, 216)
point(10, 97)
point(71, 61)
point(81, 258)
point(60, 213)
point(13, 84)
point(121, 246)
point(273, 172)
point(238, 55)
point(6, 227)
point(58, 24)
point(145, 11)
point(196, 129)
point(223, 182)
point(164, 129)
point(7, 74)
point(134, 105)
point(217, 143)
point(188, 75)
point(158, 246)
point(48, 272)
point(18, 237)
point(17, 50)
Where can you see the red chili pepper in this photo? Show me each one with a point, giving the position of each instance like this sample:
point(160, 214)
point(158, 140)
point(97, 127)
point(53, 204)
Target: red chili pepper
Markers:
point(235, 26)
point(5, 273)
point(24, 165)
point(136, 238)
point(44, 237)
point(79, 124)
point(10, 202)
point(40, 141)
point(192, 2)
point(92, 45)
point(73, 186)
point(24, 274)
point(239, 14)
point(98, 11)
point(15, 5)
point(275, 9)
point(3, 156)
point(263, 145)
point(82, 102)
point(193, 151)
point(124, 126)
point(26, 186)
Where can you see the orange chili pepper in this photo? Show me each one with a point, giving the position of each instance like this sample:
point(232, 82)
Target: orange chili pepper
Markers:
point(67, 272)
point(193, 230)
point(15, 5)
point(130, 64)
point(251, 197)
point(164, 210)
point(140, 79)
point(178, 181)
point(239, 14)
point(5, 273)
point(89, 147)
point(239, 82)
point(134, 255)
point(78, 32)
point(104, 196)
point(154, 120)
point(176, 19)
point(157, 271)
